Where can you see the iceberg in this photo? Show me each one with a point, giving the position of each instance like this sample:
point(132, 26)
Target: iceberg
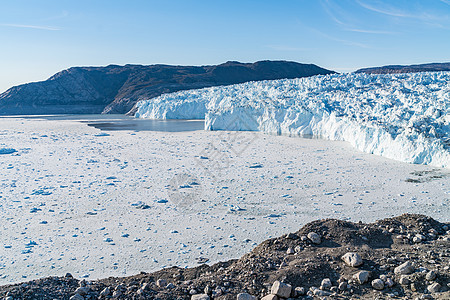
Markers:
point(405, 117)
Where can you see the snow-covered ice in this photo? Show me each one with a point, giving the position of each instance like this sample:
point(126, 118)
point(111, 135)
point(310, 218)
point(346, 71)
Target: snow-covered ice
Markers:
point(75, 200)
point(403, 116)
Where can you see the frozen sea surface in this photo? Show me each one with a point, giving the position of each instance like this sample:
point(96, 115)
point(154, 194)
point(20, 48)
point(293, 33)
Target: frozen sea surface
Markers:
point(98, 203)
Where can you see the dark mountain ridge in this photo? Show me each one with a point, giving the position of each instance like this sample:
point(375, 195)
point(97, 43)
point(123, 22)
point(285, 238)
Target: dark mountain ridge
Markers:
point(116, 89)
point(431, 67)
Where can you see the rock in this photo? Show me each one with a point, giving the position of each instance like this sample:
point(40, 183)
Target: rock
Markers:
point(298, 249)
point(418, 238)
point(68, 275)
point(82, 290)
point(117, 294)
point(430, 276)
point(76, 297)
point(290, 251)
point(320, 293)
point(352, 259)
point(270, 297)
point(300, 291)
point(161, 283)
point(314, 237)
point(390, 282)
point(404, 280)
point(245, 296)
point(404, 269)
point(326, 284)
point(434, 288)
point(342, 286)
point(378, 284)
point(362, 277)
point(200, 297)
point(105, 292)
point(281, 289)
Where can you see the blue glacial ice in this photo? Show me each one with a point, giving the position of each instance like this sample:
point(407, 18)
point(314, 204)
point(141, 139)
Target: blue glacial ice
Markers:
point(405, 117)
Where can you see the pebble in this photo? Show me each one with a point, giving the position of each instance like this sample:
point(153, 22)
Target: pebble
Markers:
point(352, 259)
point(300, 291)
point(362, 277)
point(314, 237)
point(76, 297)
point(404, 280)
point(270, 297)
point(200, 297)
point(161, 283)
point(105, 292)
point(430, 276)
point(82, 290)
point(390, 282)
point(290, 251)
point(281, 289)
point(245, 296)
point(404, 269)
point(378, 284)
point(434, 288)
point(326, 284)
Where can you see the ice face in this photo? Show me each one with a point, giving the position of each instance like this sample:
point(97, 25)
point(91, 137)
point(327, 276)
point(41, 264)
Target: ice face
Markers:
point(403, 116)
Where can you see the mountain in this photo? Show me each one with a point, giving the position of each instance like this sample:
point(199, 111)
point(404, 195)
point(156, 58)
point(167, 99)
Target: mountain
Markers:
point(116, 89)
point(434, 67)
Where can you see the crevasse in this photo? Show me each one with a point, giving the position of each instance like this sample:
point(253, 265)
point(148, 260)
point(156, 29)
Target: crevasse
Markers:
point(403, 116)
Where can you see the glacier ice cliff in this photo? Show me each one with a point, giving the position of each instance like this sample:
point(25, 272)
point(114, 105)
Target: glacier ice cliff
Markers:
point(403, 116)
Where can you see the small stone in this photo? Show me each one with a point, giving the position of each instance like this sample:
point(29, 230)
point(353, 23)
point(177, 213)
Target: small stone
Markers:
point(200, 297)
point(378, 284)
point(314, 237)
point(430, 276)
point(352, 259)
point(390, 282)
point(404, 280)
point(320, 293)
point(245, 296)
point(404, 269)
point(68, 275)
point(82, 290)
point(326, 284)
point(76, 297)
point(161, 283)
point(298, 249)
point(105, 292)
point(383, 277)
point(342, 286)
point(300, 291)
point(434, 288)
point(418, 238)
point(362, 277)
point(117, 294)
point(290, 251)
point(270, 297)
point(281, 289)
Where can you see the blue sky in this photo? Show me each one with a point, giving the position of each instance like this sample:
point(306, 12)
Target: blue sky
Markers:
point(40, 38)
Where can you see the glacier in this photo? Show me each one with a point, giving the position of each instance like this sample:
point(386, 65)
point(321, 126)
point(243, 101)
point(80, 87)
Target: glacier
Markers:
point(405, 117)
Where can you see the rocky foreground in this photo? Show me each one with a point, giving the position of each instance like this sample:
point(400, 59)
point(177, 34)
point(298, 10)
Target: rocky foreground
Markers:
point(406, 257)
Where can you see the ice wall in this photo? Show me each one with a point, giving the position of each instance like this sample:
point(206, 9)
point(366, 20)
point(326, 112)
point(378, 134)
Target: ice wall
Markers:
point(403, 116)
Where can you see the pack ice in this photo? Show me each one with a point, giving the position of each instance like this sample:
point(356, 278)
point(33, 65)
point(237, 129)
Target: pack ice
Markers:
point(400, 116)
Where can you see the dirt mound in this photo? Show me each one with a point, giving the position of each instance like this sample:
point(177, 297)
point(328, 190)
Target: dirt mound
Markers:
point(405, 257)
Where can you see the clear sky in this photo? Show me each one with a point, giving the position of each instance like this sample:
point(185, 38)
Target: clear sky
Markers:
point(40, 38)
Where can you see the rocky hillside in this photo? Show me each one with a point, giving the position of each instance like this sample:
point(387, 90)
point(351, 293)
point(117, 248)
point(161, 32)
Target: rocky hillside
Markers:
point(406, 69)
point(405, 257)
point(115, 89)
